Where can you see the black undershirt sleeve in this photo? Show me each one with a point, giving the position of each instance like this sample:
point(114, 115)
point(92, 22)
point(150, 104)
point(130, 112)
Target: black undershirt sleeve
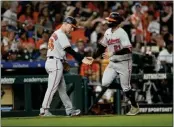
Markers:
point(123, 51)
point(76, 55)
point(100, 50)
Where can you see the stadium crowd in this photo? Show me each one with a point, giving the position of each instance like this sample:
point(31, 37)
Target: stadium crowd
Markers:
point(27, 25)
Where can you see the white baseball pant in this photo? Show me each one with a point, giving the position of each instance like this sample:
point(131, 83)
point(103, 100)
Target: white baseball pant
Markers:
point(123, 68)
point(56, 82)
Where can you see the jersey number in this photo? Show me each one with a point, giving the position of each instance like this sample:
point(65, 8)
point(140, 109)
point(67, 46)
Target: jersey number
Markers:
point(116, 48)
point(50, 44)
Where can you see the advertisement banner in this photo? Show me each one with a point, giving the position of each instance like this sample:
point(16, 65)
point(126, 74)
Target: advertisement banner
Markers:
point(23, 64)
point(10, 80)
point(155, 76)
point(24, 79)
point(156, 108)
point(33, 64)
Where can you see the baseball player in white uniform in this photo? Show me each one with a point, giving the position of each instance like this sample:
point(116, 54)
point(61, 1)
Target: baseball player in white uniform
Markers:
point(58, 45)
point(120, 56)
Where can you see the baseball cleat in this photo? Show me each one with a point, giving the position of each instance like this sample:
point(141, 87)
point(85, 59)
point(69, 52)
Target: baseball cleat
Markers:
point(47, 114)
point(75, 112)
point(133, 111)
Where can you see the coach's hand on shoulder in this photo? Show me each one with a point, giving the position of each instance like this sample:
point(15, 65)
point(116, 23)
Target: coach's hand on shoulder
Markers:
point(88, 60)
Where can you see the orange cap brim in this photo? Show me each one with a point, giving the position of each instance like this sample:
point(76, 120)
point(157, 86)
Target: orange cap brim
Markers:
point(110, 19)
point(74, 25)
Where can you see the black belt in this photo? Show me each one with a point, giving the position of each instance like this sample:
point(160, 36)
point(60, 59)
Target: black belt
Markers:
point(52, 57)
point(116, 61)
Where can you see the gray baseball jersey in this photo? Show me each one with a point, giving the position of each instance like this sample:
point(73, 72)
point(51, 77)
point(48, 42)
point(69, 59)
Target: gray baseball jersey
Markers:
point(54, 67)
point(57, 43)
point(119, 64)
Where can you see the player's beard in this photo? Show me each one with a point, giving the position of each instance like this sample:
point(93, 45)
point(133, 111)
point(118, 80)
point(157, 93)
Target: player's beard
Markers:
point(111, 24)
point(68, 31)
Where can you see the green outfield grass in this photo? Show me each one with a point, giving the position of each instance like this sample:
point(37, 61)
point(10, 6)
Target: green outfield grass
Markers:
point(109, 120)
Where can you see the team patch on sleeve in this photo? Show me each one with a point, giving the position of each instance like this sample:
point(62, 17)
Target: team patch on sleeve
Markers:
point(54, 36)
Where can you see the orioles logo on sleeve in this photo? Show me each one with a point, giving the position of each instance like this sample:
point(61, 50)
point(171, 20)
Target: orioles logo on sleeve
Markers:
point(51, 44)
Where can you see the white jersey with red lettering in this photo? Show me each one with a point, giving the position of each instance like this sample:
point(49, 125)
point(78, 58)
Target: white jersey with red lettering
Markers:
point(57, 43)
point(116, 41)
point(119, 64)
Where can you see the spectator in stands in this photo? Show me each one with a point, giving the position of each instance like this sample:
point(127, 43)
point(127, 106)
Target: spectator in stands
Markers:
point(101, 18)
point(44, 39)
point(158, 38)
point(81, 11)
point(5, 5)
point(69, 9)
point(86, 21)
point(126, 8)
point(26, 19)
point(80, 46)
point(155, 9)
point(12, 55)
point(55, 7)
point(90, 71)
point(165, 57)
point(37, 8)
point(93, 6)
point(78, 34)
point(10, 42)
point(43, 52)
point(45, 18)
point(153, 32)
point(25, 42)
point(4, 29)
point(137, 22)
point(164, 30)
point(57, 21)
point(154, 26)
point(10, 15)
point(97, 28)
point(167, 15)
point(25, 55)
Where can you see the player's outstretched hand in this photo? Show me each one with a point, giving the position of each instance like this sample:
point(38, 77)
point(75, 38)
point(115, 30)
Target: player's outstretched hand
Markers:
point(106, 55)
point(88, 60)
